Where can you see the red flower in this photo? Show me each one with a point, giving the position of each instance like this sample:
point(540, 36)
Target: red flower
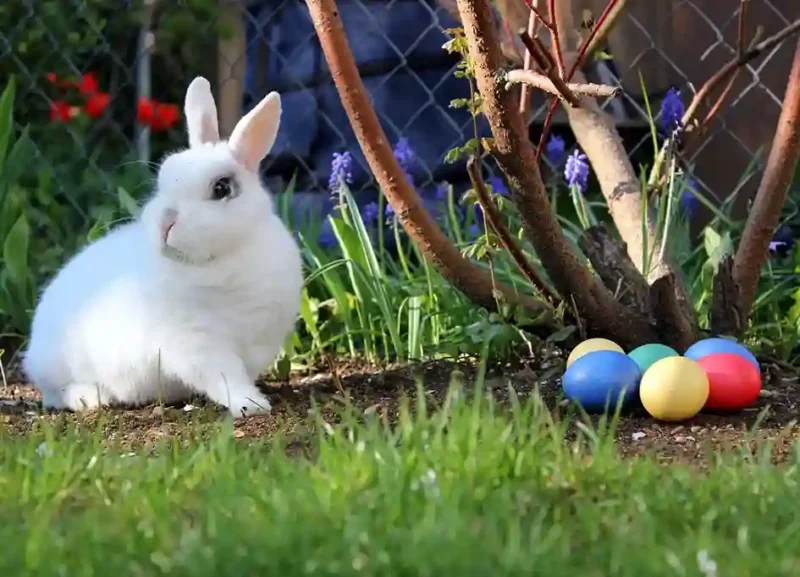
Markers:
point(96, 104)
point(157, 115)
point(88, 84)
point(167, 116)
point(61, 111)
point(145, 111)
point(51, 77)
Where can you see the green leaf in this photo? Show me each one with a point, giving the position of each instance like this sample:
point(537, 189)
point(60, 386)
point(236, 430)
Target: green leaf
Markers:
point(283, 367)
point(7, 116)
point(717, 246)
point(18, 160)
point(10, 209)
point(127, 202)
point(15, 251)
point(562, 335)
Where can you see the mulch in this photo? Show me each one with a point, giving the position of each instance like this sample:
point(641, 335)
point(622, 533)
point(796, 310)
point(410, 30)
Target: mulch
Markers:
point(378, 392)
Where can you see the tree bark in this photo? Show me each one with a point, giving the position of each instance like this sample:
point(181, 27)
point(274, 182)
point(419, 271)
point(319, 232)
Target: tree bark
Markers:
point(515, 155)
point(597, 136)
point(470, 279)
point(771, 195)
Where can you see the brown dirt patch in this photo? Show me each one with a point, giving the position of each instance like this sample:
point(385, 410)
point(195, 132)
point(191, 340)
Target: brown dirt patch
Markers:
point(377, 392)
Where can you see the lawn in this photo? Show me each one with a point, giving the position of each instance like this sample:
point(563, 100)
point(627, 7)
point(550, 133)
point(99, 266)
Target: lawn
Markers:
point(418, 423)
point(380, 481)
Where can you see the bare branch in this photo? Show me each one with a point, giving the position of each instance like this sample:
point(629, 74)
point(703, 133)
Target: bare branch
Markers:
point(546, 64)
point(741, 41)
point(541, 82)
point(599, 139)
point(495, 220)
point(722, 75)
point(778, 174)
point(525, 93)
point(551, 8)
point(533, 5)
point(602, 27)
point(609, 20)
point(473, 281)
point(515, 155)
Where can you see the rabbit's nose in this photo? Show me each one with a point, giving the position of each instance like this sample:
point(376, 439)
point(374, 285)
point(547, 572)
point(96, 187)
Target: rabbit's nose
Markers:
point(168, 220)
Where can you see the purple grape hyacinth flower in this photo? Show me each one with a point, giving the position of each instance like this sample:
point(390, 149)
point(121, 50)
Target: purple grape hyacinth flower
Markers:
point(476, 229)
point(327, 238)
point(370, 212)
point(341, 168)
point(555, 150)
point(689, 202)
point(576, 170)
point(404, 154)
point(498, 186)
point(672, 110)
point(782, 240)
point(442, 190)
point(406, 157)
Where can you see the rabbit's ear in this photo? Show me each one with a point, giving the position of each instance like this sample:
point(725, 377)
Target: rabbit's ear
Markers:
point(201, 113)
point(255, 133)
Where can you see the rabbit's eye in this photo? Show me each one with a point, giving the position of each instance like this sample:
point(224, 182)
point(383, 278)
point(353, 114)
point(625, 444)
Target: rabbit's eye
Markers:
point(222, 188)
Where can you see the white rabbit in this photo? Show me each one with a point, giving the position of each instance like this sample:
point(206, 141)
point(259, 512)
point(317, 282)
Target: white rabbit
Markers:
point(197, 295)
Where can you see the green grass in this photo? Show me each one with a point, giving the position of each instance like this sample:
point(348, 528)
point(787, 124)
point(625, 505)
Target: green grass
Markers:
point(471, 490)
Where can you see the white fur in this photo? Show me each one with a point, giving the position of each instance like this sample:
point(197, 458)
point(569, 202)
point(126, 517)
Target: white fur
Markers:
point(133, 318)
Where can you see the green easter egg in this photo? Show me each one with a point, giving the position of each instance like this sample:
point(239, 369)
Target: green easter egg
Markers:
point(648, 354)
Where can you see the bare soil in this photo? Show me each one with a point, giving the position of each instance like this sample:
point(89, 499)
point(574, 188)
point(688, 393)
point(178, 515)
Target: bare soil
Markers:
point(773, 419)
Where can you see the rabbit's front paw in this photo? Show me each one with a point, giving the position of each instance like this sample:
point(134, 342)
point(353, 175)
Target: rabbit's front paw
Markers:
point(75, 397)
point(247, 406)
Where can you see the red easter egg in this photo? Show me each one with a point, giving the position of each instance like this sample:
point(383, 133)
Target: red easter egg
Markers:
point(733, 381)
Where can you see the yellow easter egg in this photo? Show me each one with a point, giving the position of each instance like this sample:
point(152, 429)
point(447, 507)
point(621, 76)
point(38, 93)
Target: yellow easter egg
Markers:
point(674, 389)
point(591, 345)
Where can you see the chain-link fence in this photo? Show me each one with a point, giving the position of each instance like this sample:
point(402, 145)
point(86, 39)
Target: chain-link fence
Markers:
point(100, 84)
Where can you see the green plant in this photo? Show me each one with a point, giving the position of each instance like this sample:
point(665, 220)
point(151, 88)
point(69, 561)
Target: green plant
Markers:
point(471, 489)
point(625, 285)
point(17, 282)
point(363, 300)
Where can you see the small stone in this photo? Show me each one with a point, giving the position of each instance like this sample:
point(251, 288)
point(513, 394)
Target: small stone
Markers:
point(695, 428)
point(189, 408)
point(158, 411)
point(638, 435)
point(238, 434)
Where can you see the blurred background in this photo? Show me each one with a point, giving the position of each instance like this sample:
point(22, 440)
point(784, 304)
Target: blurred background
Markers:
point(100, 86)
point(142, 53)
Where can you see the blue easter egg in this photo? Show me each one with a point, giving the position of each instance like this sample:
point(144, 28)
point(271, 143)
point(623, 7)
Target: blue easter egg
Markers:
point(597, 379)
point(718, 345)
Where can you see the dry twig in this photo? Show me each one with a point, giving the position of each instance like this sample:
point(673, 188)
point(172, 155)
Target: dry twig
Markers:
point(541, 82)
point(602, 27)
point(547, 65)
point(525, 93)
